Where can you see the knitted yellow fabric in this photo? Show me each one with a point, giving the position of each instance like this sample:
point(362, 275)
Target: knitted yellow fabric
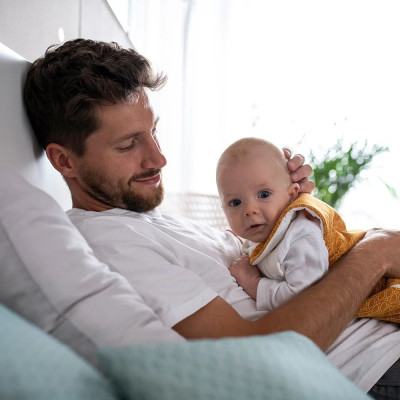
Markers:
point(384, 301)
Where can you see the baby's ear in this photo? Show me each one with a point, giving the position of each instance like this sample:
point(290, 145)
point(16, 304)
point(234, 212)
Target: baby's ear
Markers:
point(293, 191)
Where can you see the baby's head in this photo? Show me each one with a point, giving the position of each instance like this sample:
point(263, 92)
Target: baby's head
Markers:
point(254, 186)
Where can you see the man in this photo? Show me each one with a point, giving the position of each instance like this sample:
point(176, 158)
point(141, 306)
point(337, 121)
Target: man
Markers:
point(88, 107)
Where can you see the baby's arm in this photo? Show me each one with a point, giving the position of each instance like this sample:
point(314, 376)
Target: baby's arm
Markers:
point(247, 276)
point(305, 263)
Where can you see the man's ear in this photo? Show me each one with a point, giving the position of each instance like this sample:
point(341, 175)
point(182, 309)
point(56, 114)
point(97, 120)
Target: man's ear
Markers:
point(294, 191)
point(62, 159)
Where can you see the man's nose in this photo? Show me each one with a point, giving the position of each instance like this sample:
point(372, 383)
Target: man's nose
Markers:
point(153, 157)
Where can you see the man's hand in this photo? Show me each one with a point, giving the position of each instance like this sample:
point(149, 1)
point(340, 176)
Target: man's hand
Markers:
point(247, 276)
point(382, 246)
point(321, 311)
point(299, 171)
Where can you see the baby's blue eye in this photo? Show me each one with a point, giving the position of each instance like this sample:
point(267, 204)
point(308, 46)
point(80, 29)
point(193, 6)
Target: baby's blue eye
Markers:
point(234, 203)
point(263, 194)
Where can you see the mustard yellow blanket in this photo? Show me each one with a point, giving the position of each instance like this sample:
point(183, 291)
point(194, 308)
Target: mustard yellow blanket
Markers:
point(384, 301)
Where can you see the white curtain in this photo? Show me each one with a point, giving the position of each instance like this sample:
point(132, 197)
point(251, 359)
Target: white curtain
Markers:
point(156, 29)
point(300, 73)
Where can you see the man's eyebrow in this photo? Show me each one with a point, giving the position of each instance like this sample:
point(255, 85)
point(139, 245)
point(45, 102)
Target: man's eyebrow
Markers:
point(127, 137)
point(133, 134)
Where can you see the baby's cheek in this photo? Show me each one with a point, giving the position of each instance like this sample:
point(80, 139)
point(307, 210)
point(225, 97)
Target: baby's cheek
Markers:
point(236, 228)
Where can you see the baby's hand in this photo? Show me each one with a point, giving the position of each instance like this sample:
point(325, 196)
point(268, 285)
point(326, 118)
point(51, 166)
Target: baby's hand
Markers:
point(246, 275)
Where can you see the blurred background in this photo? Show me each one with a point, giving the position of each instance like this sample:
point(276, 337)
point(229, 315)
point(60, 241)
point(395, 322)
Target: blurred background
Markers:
point(322, 77)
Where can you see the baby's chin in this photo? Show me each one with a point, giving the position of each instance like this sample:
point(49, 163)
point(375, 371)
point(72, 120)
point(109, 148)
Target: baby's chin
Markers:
point(257, 233)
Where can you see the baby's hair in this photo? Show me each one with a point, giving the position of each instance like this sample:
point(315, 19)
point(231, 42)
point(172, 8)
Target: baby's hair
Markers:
point(250, 145)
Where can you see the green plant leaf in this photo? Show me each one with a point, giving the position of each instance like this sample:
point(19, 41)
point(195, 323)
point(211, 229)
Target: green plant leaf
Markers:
point(391, 189)
point(336, 172)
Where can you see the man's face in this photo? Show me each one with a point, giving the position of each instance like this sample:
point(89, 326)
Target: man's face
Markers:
point(122, 163)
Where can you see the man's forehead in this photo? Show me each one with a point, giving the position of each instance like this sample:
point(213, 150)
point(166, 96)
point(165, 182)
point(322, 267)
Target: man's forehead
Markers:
point(135, 105)
point(139, 96)
point(125, 118)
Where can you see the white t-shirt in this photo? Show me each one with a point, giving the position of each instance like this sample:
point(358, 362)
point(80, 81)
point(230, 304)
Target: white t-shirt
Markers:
point(178, 266)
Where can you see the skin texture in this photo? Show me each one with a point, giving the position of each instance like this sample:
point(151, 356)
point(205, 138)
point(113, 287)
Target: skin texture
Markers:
point(247, 275)
point(255, 187)
point(299, 172)
point(321, 312)
point(122, 164)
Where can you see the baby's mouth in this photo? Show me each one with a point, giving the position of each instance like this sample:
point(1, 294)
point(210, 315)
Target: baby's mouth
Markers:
point(255, 227)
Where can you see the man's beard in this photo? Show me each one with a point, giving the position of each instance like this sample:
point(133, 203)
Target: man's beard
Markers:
point(119, 193)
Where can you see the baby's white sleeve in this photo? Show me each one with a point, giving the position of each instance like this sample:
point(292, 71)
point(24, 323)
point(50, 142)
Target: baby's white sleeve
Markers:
point(305, 261)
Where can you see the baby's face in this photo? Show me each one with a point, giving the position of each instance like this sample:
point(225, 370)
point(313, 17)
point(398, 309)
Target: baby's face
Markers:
point(254, 192)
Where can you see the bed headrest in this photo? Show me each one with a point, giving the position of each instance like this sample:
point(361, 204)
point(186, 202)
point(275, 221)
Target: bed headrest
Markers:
point(18, 148)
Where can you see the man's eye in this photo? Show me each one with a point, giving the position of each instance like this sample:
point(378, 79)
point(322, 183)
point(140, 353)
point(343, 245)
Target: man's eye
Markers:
point(263, 194)
point(127, 147)
point(234, 203)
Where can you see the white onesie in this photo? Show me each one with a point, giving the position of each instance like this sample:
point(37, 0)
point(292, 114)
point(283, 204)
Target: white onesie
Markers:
point(297, 259)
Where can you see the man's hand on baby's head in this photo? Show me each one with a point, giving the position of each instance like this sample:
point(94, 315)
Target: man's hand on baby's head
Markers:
point(299, 171)
point(247, 276)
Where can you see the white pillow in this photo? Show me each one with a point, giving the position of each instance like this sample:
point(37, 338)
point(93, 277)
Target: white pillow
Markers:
point(49, 275)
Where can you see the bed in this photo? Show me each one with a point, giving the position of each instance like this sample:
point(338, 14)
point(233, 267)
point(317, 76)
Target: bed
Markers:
point(56, 340)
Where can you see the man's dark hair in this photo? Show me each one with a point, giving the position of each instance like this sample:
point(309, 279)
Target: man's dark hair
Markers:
point(65, 87)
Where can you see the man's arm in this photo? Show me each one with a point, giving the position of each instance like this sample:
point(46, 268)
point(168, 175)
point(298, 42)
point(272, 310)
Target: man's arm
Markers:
point(320, 312)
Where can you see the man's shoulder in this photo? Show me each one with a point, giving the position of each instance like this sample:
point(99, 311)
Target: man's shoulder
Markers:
point(108, 228)
point(116, 215)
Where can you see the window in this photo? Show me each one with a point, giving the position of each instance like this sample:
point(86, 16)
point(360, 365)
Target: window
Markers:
point(299, 73)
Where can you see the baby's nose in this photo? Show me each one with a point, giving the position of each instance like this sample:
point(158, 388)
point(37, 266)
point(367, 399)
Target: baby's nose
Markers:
point(250, 209)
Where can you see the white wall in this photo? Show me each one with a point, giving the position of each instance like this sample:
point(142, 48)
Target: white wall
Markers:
point(29, 26)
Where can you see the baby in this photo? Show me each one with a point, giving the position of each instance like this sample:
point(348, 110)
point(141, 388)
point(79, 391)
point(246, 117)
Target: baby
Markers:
point(290, 240)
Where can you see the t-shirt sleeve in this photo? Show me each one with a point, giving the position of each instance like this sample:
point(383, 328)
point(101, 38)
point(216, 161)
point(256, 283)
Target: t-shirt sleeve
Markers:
point(305, 260)
point(148, 259)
